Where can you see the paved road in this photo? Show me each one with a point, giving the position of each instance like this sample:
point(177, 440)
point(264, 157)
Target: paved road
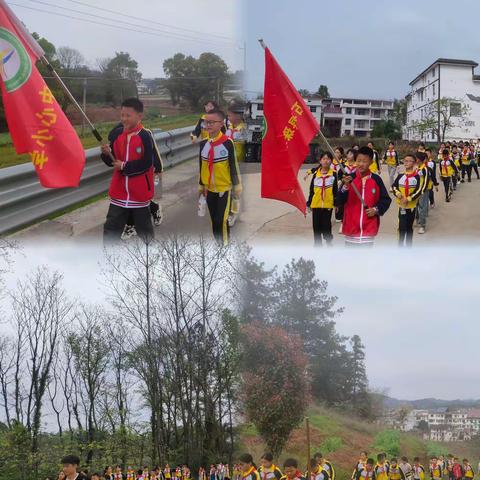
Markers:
point(263, 220)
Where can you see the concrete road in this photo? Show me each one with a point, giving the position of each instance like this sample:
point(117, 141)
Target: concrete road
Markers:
point(263, 220)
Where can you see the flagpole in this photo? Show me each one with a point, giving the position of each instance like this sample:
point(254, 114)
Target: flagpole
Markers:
point(322, 136)
point(71, 98)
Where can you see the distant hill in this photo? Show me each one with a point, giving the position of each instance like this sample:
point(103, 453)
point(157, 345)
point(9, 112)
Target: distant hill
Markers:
point(427, 403)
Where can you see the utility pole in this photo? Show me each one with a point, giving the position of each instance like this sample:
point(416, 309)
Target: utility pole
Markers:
point(84, 103)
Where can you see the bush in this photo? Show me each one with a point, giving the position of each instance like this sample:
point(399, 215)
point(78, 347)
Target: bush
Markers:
point(388, 441)
point(331, 444)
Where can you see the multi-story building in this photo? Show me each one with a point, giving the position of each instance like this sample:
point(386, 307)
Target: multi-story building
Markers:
point(450, 79)
point(354, 116)
point(340, 117)
point(315, 106)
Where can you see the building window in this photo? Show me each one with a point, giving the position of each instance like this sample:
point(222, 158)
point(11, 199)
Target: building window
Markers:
point(433, 86)
point(348, 111)
point(455, 109)
point(348, 132)
point(433, 73)
point(348, 121)
point(362, 111)
point(313, 109)
point(260, 107)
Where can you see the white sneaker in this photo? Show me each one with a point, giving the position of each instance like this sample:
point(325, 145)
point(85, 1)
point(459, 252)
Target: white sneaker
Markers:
point(128, 232)
point(158, 216)
point(232, 218)
point(421, 230)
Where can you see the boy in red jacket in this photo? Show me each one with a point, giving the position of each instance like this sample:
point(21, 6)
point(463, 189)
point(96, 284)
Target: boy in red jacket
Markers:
point(361, 218)
point(132, 185)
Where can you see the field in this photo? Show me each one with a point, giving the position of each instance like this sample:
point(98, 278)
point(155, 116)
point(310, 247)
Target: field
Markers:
point(341, 437)
point(159, 114)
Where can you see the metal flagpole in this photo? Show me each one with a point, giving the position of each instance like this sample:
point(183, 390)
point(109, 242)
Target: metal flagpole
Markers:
point(322, 136)
point(72, 98)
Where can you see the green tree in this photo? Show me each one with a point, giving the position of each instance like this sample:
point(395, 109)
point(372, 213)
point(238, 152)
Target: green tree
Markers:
point(360, 398)
point(121, 75)
point(387, 129)
point(194, 79)
point(274, 387)
point(441, 116)
point(322, 92)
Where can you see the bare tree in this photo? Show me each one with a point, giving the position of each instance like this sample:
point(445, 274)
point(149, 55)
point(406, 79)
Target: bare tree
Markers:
point(41, 310)
point(70, 59)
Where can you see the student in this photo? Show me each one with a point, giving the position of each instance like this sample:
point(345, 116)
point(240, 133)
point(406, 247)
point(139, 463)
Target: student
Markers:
point(323, 190)
point(391, 159)
point(473, 161)
point(468, 470)
point(317, 472)
point(448, 171)
point(249, 472)
point(70, 467)
point(404, 464)
point(407, 189)
point(367, 473)
point(433, 166)
point(466, 164)
point(381, 468)
point(131, 473)
point(155, 208)
point(167, 472)
point(118, 475)
point(395, 472)
point(94, 476)
point(290, 470)
point(200, 131)
point(361, 218)
point(435, 469)
point(421, 147)
point(418, 470)
point(456, 155)
point(219, 174)
point(132, 186)
point(325, 464)
point(457, 469)
point(360, 464)
point(375, 166)
point(108, 473)
point(429, 180)
point(267, 470)
point(237, 132)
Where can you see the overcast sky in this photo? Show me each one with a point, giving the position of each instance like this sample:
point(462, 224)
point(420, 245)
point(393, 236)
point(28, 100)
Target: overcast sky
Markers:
point(209, 20)
point(413, 310)
point(368, 48)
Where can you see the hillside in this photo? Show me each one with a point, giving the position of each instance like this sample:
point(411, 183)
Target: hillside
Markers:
point(341, 438)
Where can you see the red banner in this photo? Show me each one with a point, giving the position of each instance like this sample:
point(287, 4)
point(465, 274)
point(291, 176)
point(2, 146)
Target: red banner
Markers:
point(289, 129)
point(36, 122)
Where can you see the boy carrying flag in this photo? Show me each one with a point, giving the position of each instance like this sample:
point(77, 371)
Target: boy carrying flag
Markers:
point(130, 153)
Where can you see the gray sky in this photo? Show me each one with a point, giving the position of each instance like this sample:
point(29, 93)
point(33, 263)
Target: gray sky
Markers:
point(413, 311)
point(210, 18)
point(368, 48)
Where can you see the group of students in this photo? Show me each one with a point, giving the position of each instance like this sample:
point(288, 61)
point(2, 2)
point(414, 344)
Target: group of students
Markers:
point(440, 468)
point(137, 168)
point(350, 184)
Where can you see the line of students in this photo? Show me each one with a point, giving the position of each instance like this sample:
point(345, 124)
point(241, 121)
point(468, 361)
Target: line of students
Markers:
point(439, 468)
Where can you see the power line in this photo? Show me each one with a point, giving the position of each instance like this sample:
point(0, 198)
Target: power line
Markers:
point(98, 23)
point(170, 34)
point(148, 20)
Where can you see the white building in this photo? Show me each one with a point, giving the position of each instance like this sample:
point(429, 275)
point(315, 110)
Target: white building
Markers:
point(445, 78)
point(354, 116)
point(315, 106)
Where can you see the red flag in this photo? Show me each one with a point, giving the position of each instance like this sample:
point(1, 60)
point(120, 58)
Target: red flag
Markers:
point(36, 122)
point(289, 129)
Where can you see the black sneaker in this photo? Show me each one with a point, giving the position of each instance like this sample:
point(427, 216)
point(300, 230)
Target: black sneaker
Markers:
point(158, 216)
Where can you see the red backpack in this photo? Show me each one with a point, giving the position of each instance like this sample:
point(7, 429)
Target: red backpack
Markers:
point(457, 471)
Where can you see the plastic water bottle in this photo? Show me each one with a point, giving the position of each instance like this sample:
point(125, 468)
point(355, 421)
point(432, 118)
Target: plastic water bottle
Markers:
point(202, 206)
point(156, 181)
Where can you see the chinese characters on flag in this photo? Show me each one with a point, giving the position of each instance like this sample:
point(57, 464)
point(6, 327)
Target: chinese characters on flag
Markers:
point(289, 129)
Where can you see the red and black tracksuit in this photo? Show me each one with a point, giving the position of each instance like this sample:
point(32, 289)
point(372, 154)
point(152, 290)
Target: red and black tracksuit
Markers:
point(131, 188)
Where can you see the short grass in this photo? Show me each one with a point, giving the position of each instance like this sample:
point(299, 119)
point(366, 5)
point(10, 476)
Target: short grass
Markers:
point(8, 156)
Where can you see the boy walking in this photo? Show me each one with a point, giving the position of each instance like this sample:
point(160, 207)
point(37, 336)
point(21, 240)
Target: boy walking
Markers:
point(391, 159)
point(219, 174)
point(130, 153)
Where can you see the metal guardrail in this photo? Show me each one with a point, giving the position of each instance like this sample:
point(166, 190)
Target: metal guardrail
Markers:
point(23, 201)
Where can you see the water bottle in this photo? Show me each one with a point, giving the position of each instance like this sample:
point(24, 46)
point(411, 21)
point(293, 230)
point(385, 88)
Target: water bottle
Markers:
point(156, 181)
point(202, 206)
